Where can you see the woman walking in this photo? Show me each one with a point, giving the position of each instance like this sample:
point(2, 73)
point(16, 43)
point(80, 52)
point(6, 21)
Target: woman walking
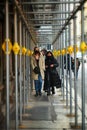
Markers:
point(51, 74)
point(38, 67)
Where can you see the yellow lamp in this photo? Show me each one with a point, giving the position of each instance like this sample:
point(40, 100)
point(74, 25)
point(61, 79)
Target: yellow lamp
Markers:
point(63, 51)
point(16, 48)
point(83, 47)
point(24, 50)
point(7, 41)
point(70, 49)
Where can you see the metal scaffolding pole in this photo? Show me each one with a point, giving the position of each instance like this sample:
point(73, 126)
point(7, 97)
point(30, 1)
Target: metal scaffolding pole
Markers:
point(62, 17)
point(59, 58)
point(75, 82)
point(51, 2)
point(69, 19)
point(62, 57)
point(66, 70)
point(28, 69)
point(83, 71)
point(61, 46)
point(70, 62)
point(7, 65)
point(28, 26)
point(54, 19)
point(16, 66)
point(66, 63)
point(20, 41)
point(46, 24)
point(50, 12)
point(24, 72)
point(70, 80)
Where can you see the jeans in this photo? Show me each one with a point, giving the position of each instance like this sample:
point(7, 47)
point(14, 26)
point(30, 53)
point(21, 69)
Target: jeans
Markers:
point(38, 84)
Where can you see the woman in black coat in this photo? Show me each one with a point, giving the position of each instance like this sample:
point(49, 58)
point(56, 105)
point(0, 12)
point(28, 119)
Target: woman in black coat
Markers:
point(51, 75)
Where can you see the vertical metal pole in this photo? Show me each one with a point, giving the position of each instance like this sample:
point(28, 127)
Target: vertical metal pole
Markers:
point(7, 67)
point(62, 57)
point(66, 71)
point(16, 76)
point(66, 62)
point(29, 69)
point(24, 72)
point(83, 71)
point(26, 67)
point(70, 80)
point(63, 67)
point(75, 83)
point(20, 41)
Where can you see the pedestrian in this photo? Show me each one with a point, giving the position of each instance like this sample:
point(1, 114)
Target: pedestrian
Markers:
point(51, 74)
point(68, 57)
point(38, 67)
point(77, 67)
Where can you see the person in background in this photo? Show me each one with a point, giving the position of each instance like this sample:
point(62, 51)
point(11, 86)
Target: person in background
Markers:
point(50, 73)
point(77, 67)
point(68, 63)
point(44, 51)
point(38, 68)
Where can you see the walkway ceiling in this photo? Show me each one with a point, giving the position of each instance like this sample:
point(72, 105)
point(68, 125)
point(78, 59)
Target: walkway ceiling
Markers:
point(48, 18)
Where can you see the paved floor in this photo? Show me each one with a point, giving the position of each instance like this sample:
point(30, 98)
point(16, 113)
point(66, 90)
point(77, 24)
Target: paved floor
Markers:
point(46, 112)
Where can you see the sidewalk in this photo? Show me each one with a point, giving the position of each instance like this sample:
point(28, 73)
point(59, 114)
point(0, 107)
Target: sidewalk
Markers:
point(46, 112)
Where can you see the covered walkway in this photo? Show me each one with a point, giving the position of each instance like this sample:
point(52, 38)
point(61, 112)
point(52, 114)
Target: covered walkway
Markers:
point(56, 25)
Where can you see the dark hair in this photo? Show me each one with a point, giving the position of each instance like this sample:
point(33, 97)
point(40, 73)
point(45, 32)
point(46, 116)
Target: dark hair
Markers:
point(35, 48)
point(49, 52)
point(37, 52)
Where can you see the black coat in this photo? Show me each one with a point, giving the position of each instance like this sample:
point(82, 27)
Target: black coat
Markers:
point(51, 74)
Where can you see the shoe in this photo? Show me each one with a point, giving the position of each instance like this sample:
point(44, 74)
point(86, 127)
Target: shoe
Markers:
point(53, 92)
point(36, 94)
point(40, 92)
point(48, 94)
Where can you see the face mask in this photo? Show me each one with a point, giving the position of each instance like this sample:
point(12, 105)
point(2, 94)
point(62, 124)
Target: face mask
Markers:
point(49, 57)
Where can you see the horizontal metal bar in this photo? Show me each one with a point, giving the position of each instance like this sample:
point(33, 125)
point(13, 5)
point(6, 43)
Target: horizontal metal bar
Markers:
point(24, 20)
point(47, 28)
point(46, 19)
point(50, 12)
point(51, 2)
point(69, 19)
point(46, 31)
point(45, 34)
point(47, 25)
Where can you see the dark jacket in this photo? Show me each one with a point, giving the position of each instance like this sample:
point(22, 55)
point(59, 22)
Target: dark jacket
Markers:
point(51, 74)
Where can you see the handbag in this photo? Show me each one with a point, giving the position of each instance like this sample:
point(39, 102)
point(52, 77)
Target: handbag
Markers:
point(36, 70)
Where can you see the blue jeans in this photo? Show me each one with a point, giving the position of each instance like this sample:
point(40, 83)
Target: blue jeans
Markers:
point(38, 84)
